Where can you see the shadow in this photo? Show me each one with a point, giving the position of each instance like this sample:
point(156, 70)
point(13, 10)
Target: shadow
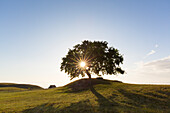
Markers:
point(166, 92)
point(79, 107)
point(157, 95)
point(44, 108)
point(141, 100)
point(86, 106)
point(131, 102)
point(105, 106)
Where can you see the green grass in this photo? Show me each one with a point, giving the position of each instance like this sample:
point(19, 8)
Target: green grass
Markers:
point(23, 86)
point(105, 96)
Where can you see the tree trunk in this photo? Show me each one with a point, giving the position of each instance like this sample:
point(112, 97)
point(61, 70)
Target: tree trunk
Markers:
point(89, 75)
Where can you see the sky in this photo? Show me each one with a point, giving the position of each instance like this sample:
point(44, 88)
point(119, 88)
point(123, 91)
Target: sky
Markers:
point(36, 34)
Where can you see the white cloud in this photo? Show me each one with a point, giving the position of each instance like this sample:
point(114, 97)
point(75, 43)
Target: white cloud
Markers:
point(162, 65)
point(157, 71)
point(151, 52)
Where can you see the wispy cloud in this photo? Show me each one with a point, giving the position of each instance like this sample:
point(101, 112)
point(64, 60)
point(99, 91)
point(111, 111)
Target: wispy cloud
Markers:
point(151, 52)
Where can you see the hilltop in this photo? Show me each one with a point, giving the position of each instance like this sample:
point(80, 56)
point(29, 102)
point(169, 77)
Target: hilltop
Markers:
point(84, 84)
point(78, 97)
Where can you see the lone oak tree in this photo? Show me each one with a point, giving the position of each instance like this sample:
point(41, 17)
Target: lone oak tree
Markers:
point(92, 58)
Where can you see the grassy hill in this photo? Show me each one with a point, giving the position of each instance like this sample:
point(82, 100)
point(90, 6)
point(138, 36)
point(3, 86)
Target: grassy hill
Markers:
point(77, 97)
point(11, 87)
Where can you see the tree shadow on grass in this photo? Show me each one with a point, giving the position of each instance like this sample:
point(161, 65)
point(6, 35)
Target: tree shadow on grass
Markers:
point(79, 107)
point(43, 108)
point(101, 99)
point(141, 100)
point(85, 106)
point(105, 106)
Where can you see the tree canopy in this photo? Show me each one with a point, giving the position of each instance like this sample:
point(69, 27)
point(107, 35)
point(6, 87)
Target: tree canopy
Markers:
point(92, 58)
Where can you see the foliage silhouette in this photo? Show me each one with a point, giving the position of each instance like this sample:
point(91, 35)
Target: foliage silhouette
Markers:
point(99, 58)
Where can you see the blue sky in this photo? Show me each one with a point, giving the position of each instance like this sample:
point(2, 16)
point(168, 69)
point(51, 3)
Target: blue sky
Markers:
point(36, 34)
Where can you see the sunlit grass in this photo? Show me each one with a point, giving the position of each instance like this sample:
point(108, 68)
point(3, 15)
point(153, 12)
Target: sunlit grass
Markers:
point(107, 97)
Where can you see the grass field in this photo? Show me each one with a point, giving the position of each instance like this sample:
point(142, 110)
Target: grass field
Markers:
point(105, 96)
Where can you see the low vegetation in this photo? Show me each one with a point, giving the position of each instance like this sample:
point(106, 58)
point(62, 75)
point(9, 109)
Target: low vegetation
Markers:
point(78, 97)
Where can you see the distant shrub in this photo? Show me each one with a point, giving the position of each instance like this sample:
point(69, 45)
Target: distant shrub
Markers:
point(51, 86)
point(99, 78)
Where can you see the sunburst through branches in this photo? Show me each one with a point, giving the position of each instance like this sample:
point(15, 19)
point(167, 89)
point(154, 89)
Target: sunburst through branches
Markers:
point(81, 61)
point(82, 64)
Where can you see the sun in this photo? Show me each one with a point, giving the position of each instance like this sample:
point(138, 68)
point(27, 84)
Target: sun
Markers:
point(82, 64)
